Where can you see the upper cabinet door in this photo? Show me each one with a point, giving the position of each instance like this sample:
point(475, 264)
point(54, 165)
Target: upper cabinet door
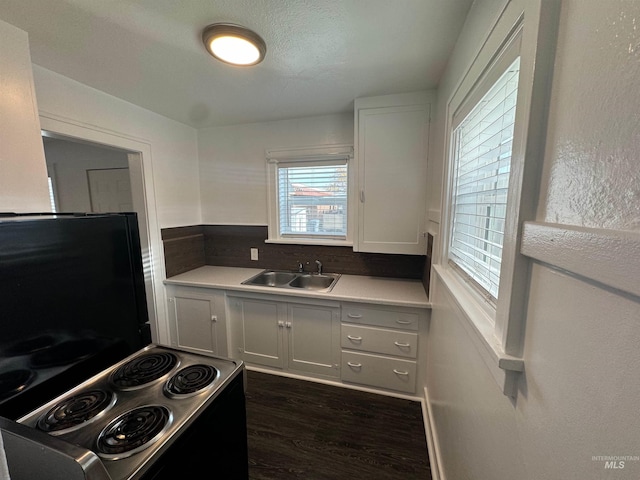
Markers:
point(392, 145)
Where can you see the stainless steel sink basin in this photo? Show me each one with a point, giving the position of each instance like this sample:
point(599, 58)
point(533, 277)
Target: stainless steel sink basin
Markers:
point(272, 279)
point(300, 281)
point(312, 282)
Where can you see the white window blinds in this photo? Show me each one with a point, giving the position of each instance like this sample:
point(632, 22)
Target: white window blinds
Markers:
point(482, 159)
point(312, 199)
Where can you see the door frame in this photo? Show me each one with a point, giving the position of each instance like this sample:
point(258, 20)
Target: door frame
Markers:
point(144, 204)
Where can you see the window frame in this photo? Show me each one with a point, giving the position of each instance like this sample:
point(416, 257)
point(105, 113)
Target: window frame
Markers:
point(311, 156)
point(498, 332)
point(510, 51)
point(505, 60)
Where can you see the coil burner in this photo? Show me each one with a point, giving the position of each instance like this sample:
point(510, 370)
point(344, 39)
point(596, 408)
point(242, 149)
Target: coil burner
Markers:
point(191, 380)
point(72, 412)
point(144, 369)
point(133, 431)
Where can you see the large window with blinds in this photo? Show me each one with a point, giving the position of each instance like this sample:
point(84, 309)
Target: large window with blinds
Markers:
point(496, 122)
point(482, 145)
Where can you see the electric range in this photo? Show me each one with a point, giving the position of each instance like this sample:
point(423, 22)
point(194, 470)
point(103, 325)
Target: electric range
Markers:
point(157, 414)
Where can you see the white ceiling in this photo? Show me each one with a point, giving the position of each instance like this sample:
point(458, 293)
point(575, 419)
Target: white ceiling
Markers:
point(321, 54)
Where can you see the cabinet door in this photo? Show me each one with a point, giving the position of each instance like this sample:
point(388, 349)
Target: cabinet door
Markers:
point(261, 324)
point(392, 176)
point(196, 324)
point(313, 339)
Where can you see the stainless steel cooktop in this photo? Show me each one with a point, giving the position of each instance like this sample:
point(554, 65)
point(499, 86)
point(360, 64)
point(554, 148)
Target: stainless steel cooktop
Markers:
point(129, 414)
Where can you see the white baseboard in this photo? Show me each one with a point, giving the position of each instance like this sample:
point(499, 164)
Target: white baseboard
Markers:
point(433, 445)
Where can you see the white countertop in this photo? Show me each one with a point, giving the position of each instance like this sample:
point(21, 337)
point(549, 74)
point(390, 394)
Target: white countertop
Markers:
point(352, 288)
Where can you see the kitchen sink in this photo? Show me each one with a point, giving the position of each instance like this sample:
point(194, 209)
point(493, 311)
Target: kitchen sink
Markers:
point(272, 279)
point(312, 282)
point(316, 282)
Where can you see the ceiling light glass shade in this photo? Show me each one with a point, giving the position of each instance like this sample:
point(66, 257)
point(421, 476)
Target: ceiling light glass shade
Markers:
point(234, 44)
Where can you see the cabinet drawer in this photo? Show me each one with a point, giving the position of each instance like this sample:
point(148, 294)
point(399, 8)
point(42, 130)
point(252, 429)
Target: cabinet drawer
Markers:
point(380, 317)
point(378, 340)
point(376, 371)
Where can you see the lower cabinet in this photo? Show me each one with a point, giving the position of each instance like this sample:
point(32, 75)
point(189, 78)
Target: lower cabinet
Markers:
point(379, 371)
point(354, 343)
point(292, 335)
point(380, 346)
point(197, 319)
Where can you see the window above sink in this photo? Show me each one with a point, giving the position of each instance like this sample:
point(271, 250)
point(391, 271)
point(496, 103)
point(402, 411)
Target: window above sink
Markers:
point(308, 192)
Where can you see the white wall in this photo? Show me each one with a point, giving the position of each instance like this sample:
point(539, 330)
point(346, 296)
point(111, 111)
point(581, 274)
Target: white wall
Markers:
point(23, 173)
point(578, 395)
point(173, 145)
point(233, 180)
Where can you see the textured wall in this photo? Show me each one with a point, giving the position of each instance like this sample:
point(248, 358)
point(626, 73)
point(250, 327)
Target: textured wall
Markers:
point(577, 398)
point(594, 136)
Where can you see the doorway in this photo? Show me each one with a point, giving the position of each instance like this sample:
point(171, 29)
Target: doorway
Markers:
point(135, 155)
point(87, 177)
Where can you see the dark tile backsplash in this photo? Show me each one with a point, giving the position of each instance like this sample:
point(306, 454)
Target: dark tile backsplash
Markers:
point(187, 248)
point(183, 249)
point(426, 275)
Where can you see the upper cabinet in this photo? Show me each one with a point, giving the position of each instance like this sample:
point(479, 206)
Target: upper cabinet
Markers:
point(391, 145)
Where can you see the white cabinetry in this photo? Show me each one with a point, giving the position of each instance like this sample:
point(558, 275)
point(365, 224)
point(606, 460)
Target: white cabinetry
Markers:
point(257, 330)
point(391, 143)
point(293, 335)
point(197, 319)
point(380, 346)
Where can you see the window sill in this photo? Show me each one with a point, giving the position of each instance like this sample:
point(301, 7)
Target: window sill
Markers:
point(504, 368)
point(309, 241)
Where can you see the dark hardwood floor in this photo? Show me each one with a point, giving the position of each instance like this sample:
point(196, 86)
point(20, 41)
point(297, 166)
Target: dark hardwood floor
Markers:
point(305, 430)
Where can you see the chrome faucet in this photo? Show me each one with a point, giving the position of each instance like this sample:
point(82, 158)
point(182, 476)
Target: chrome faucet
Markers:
point(300, 267)
point(319, 263)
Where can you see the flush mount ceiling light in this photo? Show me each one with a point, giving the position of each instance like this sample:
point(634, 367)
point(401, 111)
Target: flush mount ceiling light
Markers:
point(234, 44)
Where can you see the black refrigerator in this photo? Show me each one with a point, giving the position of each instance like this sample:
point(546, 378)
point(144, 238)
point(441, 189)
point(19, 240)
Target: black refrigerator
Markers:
point(72, 302)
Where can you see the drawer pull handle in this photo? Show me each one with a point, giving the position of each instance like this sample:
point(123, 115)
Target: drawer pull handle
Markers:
point(354, 365)
point(404, 322)
point(354, 339)
point(354, 315)
point(398, 372)
point(402, 345)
